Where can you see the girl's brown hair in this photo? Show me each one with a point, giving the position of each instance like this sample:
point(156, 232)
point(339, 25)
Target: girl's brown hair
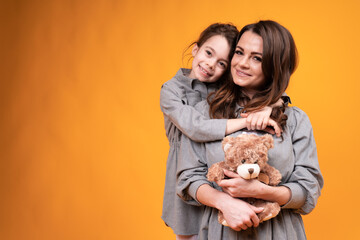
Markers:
point(227, 30)
point(279, 61)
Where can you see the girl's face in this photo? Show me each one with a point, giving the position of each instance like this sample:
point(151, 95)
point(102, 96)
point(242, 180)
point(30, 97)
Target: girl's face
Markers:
point(246, 64)
point(210, 60)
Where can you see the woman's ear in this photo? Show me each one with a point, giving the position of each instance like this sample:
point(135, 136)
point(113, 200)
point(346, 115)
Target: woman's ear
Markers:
point(195, 50)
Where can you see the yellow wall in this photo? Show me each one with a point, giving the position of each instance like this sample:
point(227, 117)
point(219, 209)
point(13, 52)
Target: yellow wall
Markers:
point(82, 144)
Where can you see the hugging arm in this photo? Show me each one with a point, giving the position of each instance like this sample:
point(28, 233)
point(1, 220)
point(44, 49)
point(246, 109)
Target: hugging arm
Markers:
point(306, 180)
point(194, 188)
point(260, 119)
point(236, 186)
point(187, 119)
point(303, 187)
point(192, 121)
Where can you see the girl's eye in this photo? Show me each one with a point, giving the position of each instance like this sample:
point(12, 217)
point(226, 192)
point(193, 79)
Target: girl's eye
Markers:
point(208, 52)
point(222, 64)
point(238, 52)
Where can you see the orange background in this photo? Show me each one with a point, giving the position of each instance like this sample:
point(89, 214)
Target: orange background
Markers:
point(83, 147)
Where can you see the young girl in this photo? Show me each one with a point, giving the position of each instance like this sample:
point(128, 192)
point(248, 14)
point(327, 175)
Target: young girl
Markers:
point(264, 59)
point(211, 58)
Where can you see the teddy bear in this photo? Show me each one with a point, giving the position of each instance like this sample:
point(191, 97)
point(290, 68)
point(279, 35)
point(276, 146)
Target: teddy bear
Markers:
point(246, 155)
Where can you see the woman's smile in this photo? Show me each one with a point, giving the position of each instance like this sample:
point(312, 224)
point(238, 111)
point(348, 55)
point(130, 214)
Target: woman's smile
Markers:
point(246, 68)
point(241, 73)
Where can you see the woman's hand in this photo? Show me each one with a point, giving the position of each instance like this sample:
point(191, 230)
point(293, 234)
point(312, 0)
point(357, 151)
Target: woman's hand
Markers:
point(260, 120)
point(239, 187)
point(238, 214)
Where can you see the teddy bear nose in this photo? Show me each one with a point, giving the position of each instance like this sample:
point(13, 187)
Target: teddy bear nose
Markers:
point(250, 170)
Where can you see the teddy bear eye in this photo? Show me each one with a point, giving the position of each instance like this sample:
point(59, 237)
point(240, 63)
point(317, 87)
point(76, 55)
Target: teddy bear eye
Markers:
point(256, 162)
point(243, 161)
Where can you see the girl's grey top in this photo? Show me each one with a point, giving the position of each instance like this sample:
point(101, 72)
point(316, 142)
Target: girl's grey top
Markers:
point(295, 156)
point(177, 99)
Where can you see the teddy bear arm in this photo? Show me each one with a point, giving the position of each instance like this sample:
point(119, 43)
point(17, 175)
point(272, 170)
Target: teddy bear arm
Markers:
point(215, 172)
point(264, 178)
point(271, 209)
point(273, 174)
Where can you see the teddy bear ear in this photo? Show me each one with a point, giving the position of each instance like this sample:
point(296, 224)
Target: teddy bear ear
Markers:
point(227, 142)
point(268, 140)
point(226, 146)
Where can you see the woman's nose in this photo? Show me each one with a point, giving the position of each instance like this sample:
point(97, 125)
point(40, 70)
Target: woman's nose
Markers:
point(244, 62)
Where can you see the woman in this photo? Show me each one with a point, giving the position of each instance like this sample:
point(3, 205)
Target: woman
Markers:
point(264, 59)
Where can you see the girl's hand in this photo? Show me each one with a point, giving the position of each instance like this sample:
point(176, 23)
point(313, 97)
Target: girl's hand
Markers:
point(261, 120)
point(239, 187)
point(258, 120)
point(240, 215)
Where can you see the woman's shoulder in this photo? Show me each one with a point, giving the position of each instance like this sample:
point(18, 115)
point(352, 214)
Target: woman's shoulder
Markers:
point(296, 117)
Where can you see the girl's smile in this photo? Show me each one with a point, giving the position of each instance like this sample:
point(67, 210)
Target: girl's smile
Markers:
point(210, 60)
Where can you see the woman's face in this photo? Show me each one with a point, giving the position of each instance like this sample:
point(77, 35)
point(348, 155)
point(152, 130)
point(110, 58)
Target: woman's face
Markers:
point(246, 64)
point(210, 60)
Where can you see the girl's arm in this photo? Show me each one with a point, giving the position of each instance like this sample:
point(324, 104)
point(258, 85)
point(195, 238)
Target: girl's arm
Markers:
point(260, 120)
point(237, 124)
point(193, 123)
point(186, 118)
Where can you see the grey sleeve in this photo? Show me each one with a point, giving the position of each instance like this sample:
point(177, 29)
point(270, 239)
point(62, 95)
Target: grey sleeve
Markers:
point(191, 171)
point(306, 180)
point(187, 119)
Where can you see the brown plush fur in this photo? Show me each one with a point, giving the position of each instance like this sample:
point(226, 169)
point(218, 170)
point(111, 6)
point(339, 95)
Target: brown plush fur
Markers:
point(249, 149)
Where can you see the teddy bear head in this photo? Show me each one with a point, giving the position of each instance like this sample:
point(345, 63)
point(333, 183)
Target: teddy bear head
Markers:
point(247, 153)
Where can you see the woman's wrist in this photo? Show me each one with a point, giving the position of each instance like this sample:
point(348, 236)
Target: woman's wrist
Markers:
point(211, 197)
point(221, 200)
point(279, 194)
point(265, 192)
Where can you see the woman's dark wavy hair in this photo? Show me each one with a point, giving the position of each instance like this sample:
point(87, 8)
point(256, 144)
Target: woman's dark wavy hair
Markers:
point(279, 61)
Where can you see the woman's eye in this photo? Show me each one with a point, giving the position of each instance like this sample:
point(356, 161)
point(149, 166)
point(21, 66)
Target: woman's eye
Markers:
point(259, 59)
point(208, 53)
point(238, 52)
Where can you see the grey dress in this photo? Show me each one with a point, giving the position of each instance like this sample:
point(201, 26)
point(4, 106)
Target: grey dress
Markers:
point(295, 156)
point(177, 98)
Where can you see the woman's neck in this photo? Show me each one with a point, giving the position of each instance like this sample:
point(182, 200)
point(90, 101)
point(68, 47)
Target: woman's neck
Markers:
point(249, 92)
